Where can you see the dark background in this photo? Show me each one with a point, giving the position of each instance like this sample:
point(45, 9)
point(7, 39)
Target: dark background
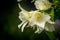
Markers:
point(9, 21)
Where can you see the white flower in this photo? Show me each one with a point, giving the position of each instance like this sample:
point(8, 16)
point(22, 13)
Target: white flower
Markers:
point(49, 26)
point(34, 18)
point(42, 4)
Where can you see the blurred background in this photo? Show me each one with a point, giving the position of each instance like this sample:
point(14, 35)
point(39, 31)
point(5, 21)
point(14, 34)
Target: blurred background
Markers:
point(9, 22)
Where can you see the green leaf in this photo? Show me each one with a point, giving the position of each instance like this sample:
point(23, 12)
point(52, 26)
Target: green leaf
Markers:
point(50, 35)
point(52, 14)
point(32, 0)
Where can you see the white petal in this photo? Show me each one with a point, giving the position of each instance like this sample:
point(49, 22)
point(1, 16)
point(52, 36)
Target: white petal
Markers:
point(41, 24)
point(51, 22)
point(31, 23)
point(21, 7)
point(22, 16)
point(39, 30)
point(23, 26)
point(46, 17)
point(49, 27)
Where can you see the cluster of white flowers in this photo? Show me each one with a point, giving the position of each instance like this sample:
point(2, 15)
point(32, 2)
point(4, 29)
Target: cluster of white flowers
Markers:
point(36, 18)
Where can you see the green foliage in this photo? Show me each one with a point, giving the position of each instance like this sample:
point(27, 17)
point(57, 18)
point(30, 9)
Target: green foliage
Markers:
point(52, 14)
point(57, 9)
point(50, 35)
point(33, 0)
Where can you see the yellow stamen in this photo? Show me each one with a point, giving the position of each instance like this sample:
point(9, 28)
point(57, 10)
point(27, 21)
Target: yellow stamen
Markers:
point(43, 5)
point(37, 17)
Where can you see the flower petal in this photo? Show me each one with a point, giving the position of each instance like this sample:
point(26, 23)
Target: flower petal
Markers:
point(22, 15)
point(21, 7)
point(39, 30)
point(49, 27)
point(41, 24)
point(51, 22)
point(46, 17)
point(23, 26)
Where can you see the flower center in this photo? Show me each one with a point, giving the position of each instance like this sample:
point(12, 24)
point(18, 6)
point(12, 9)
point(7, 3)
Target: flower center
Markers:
point(37, 17)
point(43, 5)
